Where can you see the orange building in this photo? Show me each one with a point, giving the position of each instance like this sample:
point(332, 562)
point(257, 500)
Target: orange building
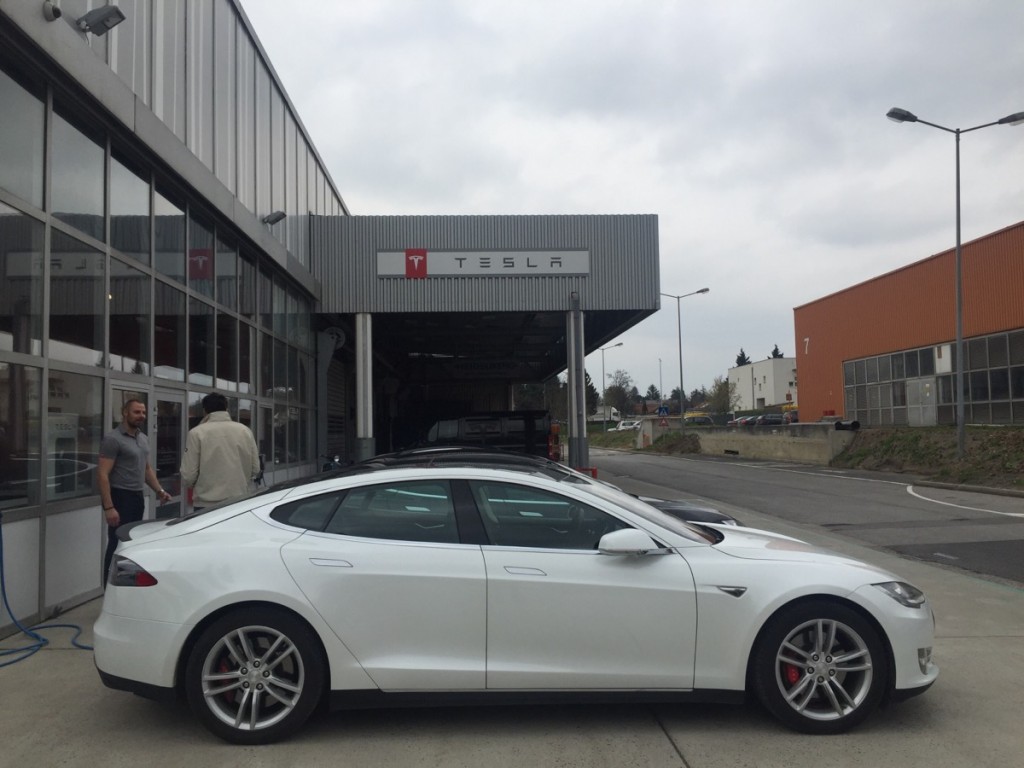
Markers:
point(882, 352)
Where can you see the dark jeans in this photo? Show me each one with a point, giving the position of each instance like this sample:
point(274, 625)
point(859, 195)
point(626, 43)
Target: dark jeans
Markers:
point(130, 506)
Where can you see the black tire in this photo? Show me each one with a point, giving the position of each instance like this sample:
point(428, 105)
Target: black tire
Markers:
point(255, 676)
point(820, 667)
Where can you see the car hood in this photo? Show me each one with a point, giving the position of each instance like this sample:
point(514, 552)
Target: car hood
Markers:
point(753, 544)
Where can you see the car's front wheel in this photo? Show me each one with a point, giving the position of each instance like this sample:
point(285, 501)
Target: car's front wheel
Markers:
point(820, 667)
point(254, 676)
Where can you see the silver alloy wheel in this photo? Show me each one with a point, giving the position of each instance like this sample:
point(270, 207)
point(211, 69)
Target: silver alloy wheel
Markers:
point(824, 669)
point(252, 678)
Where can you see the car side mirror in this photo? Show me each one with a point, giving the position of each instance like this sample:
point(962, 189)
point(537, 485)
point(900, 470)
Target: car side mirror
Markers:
point(628, 541)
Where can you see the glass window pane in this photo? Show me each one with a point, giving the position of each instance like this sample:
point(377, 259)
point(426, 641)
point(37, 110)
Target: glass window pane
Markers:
point(977, 354)
point(22, 131)
point(926, 358)
point(265, 436)
point(129, 319)
point(77, 301)
point(246, 358)
point(200, 257)
point(898, 371)
point(265, 297)
point(201, 340)
point(999, 383)
point(978, 387)
point(884, 368)
point(21, 300)
point(129, 209)
point(1017, 382)
point(997, 352)
point(281, 454)
point(74, 427)
point(266, 365)
point(169, 233)
point(19, 435)
point(76, 194)
point(280, 310)
point(227, 275)
point(910, 361)
point(246, 288)
point(227, 352)
point(280, 370)
point(169, 333)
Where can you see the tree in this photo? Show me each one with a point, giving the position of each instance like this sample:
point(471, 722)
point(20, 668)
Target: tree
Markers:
point(590, 394)
point(742, 359)
point(776, 353)
point(723, 397)
point(617, 394)
point(652, 393)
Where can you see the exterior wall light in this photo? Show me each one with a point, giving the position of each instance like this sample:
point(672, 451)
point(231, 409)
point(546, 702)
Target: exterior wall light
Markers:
point(273, 218)
point(99, 21)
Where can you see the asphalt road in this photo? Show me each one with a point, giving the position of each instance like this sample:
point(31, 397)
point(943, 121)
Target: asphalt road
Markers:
point(978, 532)
point(55, 711)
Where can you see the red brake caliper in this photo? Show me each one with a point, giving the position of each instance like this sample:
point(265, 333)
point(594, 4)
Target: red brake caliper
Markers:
point(791, 674)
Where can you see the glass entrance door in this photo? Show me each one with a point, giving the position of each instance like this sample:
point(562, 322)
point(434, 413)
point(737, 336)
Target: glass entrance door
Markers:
point(167, 445)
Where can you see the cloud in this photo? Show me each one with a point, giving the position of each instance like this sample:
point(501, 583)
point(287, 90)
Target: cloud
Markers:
point(755, 131)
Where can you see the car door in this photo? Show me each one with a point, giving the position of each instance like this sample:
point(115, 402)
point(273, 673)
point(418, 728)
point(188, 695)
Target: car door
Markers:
point(561, 615)
point(386, 571)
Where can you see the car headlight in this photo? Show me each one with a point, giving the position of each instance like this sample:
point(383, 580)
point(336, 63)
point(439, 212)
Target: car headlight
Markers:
point(902, 593)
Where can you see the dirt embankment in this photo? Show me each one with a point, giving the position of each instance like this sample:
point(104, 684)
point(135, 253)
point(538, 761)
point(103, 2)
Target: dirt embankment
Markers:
point(993, 456)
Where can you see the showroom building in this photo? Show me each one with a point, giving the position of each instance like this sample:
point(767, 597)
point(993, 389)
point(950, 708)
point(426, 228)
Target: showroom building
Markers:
point(883, 352)
point(168, 229)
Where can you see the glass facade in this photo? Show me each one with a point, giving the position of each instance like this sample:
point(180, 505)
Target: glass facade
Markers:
point(119, 275)
point(918, 386)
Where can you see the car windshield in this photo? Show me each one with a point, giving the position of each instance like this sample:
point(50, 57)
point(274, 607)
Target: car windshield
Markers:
point(618, 496)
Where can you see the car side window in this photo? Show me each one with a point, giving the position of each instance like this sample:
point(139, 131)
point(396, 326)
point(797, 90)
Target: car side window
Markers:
point(521, 516)
point(311, 513)
point(420, 510)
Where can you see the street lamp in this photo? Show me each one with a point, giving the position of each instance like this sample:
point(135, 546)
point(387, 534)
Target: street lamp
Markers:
point(679, 332)
point(604, 386)
point(661, 384)
point(903, 116)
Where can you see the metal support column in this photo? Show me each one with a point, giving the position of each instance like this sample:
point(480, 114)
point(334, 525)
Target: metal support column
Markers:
point(579, 453)
point(365, 442)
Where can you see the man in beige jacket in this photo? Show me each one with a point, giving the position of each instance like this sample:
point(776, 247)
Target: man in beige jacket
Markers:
point(221, 458)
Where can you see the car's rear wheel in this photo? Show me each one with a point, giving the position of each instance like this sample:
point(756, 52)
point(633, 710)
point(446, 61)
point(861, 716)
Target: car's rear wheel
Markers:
point(255, 676)
point(820, 667)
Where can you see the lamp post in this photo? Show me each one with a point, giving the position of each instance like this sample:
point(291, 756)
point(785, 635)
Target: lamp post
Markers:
point(661, 384)
point(679, 336)
point(903, 116)
point(604, 387)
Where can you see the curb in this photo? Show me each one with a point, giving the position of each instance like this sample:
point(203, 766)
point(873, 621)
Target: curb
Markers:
point(973, 488)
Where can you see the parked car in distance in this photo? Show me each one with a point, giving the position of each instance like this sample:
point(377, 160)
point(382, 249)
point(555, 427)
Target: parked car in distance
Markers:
point(699, 421)
point(741, 421)
point(627, 426)
point(769, 420)
point(455, 585)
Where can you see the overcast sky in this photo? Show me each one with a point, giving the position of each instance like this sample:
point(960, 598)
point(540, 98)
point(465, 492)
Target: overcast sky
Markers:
point(754, 129)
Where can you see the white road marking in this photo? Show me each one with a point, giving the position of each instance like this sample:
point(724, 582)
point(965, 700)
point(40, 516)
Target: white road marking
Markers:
point(912, 492)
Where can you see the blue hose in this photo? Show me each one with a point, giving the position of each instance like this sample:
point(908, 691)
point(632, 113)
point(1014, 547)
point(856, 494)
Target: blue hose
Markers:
point(38, 641)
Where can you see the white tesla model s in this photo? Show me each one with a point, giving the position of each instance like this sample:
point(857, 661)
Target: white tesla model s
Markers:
point(469, 585)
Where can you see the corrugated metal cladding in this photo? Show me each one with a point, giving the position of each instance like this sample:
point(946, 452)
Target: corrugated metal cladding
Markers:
point(623, 262)
point(911, 307)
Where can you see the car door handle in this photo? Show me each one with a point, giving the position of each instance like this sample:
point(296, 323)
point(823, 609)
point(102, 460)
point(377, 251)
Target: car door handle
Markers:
point(323, 562)
point(519, 571)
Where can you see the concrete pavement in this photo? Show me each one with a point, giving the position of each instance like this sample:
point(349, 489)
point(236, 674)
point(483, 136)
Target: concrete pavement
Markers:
point(54, 711)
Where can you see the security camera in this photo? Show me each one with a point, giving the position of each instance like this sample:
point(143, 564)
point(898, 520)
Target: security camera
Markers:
point(51, 12)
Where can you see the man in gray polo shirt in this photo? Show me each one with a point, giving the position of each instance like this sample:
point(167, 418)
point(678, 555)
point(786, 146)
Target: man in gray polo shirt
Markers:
point(122, 473)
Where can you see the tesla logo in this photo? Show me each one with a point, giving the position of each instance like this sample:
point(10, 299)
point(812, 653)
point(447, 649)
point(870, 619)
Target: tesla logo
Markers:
point(416, 262)
point(200, 264)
